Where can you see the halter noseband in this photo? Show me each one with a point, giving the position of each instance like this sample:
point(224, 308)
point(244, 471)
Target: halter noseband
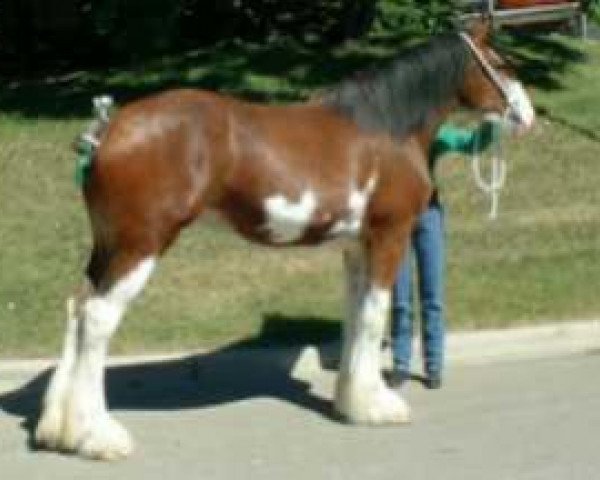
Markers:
point(487, 68)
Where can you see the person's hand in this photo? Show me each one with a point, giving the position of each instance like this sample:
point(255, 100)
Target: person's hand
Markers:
point(490, 131)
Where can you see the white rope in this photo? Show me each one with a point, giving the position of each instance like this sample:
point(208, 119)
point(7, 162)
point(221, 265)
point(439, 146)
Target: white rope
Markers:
point(495, 184)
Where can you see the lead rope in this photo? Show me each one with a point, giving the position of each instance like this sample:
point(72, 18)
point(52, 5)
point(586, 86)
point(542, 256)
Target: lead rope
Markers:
point(498, 168)
point(494, 185)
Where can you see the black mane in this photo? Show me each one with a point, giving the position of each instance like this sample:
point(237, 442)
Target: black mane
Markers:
point(403, 96)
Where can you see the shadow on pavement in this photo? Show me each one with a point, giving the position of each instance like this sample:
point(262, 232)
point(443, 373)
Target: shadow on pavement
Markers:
point(243, 370)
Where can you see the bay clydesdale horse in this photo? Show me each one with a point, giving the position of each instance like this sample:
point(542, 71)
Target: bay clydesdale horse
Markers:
point(351, 163)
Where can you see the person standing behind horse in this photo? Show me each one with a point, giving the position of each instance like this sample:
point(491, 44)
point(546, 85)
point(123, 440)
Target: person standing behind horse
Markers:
point(428, 247)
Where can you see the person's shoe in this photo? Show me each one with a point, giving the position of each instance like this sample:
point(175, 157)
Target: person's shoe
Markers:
point(396, 377)
point(433, 381)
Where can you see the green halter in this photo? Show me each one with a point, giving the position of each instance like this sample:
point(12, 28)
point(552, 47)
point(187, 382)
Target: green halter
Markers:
point(86, 144)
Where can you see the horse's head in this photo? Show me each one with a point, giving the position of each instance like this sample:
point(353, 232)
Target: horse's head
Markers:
point(491, 85)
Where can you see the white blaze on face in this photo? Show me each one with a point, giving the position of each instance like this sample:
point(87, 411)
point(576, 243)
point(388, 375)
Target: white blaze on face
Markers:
point(287, 220)
point(357, 203)
point(521, 113)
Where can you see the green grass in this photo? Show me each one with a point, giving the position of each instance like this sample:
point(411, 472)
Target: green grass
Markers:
point(537, 262)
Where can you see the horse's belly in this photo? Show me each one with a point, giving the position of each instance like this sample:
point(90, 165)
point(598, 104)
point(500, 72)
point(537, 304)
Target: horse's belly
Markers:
point(308, 218)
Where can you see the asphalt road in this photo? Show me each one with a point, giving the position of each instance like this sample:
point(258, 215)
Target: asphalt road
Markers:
point(244, 417)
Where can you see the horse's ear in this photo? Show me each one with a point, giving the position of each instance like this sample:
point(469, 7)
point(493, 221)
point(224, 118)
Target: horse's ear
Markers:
point(481, 30)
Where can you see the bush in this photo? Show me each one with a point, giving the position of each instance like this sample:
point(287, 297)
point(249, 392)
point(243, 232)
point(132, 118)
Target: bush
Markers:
point(593, 10)
point(416, 17)
point(40, 35)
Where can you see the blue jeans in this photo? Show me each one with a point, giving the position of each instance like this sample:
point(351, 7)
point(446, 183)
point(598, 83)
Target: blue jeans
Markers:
point(427, 242)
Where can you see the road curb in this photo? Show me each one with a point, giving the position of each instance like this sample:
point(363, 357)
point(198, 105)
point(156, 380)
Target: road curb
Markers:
point(484, 347)
point(478, 347)
point(527, 342)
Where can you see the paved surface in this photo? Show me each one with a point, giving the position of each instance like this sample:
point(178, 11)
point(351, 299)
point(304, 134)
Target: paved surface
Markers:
point(242, 416)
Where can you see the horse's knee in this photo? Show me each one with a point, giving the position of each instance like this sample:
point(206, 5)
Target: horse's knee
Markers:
point(101, 318)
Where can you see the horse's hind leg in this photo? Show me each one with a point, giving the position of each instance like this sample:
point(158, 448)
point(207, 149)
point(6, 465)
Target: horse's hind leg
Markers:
point(361, 393)
point(75, 417)
point(49, 427)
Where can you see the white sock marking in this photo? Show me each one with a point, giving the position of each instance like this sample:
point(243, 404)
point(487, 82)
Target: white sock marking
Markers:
point(84, 420)
point(361, 394)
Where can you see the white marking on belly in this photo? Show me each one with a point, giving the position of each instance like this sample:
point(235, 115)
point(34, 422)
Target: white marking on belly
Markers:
point(286, 220)
point(357, 204)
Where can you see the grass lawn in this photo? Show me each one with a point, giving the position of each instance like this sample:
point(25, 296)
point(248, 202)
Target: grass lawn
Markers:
point(537, 262)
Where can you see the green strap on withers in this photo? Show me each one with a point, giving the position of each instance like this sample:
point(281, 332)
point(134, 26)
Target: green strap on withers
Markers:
point(85, 153)
point(87, 143)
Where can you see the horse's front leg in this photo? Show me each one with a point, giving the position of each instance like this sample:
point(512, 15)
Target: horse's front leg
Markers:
point(361, 393)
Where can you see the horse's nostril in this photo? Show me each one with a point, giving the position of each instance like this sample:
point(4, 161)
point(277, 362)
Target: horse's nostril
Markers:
point(516, 118)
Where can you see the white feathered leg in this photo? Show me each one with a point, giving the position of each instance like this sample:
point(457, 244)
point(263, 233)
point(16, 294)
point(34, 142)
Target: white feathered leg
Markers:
point(86, 426)
point(49, 427)
point(361, 393)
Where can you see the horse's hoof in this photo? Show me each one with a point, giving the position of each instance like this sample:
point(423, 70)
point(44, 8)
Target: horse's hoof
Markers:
point(379, 406)
point(48, 431)
point(107, 440)
point(391, 409)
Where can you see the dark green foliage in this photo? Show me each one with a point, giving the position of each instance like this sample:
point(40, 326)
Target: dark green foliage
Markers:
point(38, 35)
point(593, 10)
point(316, 20)
point(132, 28)
point(417, 17)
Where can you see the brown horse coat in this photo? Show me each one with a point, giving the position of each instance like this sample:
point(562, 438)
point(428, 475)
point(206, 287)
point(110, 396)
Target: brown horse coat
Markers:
point(167, 158)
